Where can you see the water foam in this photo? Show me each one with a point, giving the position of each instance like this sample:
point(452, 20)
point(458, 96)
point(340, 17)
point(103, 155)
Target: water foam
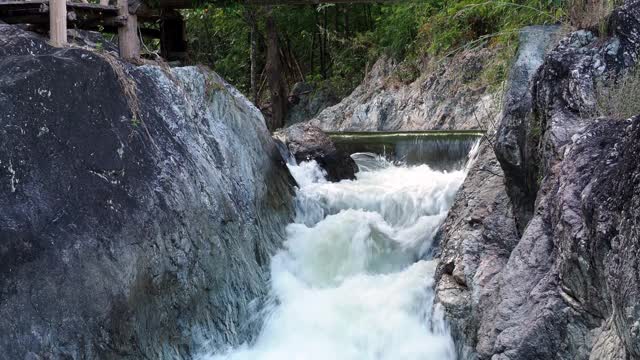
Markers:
point(350, 283)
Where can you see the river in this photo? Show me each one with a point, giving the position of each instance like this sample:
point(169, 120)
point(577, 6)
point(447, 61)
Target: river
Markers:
point(354, 280)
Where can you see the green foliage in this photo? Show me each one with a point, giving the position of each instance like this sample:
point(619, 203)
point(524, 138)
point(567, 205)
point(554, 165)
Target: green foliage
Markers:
point(397, 26)
point(468, 22)
point(497, 70)
point(219, 37)
point(336, 43)
point(347, 43)
point(135, 122)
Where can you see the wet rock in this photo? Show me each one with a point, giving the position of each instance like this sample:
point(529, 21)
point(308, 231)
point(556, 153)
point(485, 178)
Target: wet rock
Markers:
point(140, 207)
point(307, 142)
point(476, 239)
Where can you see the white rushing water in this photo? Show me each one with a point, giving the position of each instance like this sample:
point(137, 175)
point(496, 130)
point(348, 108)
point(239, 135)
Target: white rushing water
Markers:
point(351, 282)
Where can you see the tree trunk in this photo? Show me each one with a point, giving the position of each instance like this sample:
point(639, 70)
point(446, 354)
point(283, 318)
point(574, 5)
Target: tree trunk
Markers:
point(254, 55)
point(336, 17)
point(346, 21)
point(312, 52)
point(277, 85)
point(324, 57)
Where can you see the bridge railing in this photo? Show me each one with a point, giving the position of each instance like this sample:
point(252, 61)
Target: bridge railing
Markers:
point(126, 20)
point(128, 41)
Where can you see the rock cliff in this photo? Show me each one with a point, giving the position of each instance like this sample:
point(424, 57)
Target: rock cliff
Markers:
point(443, 97)
point(551, 271)
point(140, 206)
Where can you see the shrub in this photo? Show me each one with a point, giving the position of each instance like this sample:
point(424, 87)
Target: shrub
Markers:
point(590, 13)
point(619, 96)
point(470, 22)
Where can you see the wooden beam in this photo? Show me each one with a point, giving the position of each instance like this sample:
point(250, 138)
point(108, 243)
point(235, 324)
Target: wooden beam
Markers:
point(58, 22)
point(188, 4)
point(128, 40)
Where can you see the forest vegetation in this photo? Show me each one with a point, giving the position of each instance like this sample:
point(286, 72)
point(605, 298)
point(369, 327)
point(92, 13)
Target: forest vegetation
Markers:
point(333, 45)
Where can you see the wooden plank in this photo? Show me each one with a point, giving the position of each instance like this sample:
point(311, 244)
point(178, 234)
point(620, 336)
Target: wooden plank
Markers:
point(58, 22)
point(188, 4)
point(20, 3)
point(128, 40)
point(13, 8)
point(90, 7)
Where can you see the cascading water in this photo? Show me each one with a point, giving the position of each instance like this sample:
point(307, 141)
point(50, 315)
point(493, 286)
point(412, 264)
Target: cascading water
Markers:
point(353, 281)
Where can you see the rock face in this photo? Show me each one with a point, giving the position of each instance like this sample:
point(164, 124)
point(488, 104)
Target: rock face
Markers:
point(516, 132)
point(475, 240)
point(307, 142)
point(562, 282)
point(140, 207)
point(443, 97)
point(306, 102)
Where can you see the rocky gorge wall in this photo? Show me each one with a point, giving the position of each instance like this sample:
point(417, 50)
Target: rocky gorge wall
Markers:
point(540, 250)
point(140, 206)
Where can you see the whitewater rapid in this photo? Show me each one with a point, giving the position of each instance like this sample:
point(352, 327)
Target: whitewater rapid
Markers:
point(354, 280)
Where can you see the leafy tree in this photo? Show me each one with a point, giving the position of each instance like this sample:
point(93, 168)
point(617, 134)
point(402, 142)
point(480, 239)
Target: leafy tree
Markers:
point(333, 44)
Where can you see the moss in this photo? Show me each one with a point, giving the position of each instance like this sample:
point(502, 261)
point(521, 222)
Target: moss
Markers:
point(135, 122)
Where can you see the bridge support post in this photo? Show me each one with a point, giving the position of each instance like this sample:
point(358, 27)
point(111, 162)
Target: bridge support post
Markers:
point(58, 22)
point(128, 40)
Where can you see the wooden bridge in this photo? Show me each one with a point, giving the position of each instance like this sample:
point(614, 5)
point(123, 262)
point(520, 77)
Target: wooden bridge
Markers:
point(124, 17)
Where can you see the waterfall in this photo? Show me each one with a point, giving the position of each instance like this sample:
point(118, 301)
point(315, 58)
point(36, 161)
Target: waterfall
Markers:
point(353, 281)
point(440, 150)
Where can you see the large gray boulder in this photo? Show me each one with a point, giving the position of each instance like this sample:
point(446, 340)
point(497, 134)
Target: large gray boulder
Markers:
point(140, 207)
